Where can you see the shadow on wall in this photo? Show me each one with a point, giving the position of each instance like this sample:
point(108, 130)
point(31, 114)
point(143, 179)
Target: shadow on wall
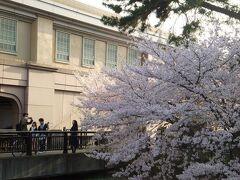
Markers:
point(9, 113)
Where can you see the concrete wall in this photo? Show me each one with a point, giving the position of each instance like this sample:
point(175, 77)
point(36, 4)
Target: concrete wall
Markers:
point(48, 165)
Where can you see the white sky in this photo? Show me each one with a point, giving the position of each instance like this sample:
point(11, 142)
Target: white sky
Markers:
point(96, 3)
point(167, 25)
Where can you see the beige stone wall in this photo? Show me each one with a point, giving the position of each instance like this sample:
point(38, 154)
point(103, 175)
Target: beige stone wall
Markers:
point(34, 41)
point(13, 81)
point(100, 55)
point(24, 40)
point(45, 93)
point(44, 40)
point(13, 75)
point(75, 53)
point(122, 56)
point(40, 93)
point(64, 109)
point(75, 59)
point(75, 50)
point(66, 82)
point(10, 114)
point(18, 92)
point(66, 92)
point(85, 8)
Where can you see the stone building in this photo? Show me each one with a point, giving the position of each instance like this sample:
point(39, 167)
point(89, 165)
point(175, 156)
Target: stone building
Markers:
point(42, 43)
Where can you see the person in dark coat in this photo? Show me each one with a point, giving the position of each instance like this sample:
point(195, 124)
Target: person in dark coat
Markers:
point(23, 127)
point(73, 137)
point(42, 136)
point(25, 121)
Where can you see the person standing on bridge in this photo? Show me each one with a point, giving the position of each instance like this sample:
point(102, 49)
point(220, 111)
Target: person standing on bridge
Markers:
point(42, 136)
point(33, 129)
point(73, 137)
point(25, 121)
point(22, 126)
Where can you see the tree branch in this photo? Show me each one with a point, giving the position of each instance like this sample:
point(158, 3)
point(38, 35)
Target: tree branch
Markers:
point(227, 12)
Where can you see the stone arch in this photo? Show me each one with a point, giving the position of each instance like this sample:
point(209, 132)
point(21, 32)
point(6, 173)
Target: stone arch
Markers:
point(10, 110)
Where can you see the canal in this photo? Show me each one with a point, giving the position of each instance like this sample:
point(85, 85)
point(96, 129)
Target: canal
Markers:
point(86, 176)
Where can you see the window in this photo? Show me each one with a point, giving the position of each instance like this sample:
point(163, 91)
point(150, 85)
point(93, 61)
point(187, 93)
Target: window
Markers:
point(111, 60)
point(8, 35)
point(133, 57)
point(62, 47)
point(88, 52)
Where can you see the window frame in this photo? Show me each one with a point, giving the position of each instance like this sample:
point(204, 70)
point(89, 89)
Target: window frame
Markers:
point(16, 33)
point(106, 60)
point(94, 60)
point(138, 55)
point(56, 52)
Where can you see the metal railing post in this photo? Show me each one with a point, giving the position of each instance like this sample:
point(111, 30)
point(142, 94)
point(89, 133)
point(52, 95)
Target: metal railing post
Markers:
point(29, 143)
point(26, 142)
point(81, 140)
point(65, 142)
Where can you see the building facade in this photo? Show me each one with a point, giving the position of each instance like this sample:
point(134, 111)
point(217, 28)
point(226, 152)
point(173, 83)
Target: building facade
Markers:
point(42, 44)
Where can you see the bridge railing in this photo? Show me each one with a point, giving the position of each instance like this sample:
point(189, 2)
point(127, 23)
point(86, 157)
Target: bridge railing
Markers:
point(33, 142)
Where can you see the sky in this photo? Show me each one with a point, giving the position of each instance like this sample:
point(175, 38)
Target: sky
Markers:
point(96, 3)
point(175, 23)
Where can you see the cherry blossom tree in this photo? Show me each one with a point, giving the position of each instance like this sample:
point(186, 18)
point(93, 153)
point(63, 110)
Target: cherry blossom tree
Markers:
point(138, 15)
point(175, 117)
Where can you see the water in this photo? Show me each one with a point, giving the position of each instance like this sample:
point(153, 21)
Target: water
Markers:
point(88, 176)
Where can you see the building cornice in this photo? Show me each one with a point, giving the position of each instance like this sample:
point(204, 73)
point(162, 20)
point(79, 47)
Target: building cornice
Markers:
point(69, 19)
point(21, 15)
point(31, 65)
point(101, 34)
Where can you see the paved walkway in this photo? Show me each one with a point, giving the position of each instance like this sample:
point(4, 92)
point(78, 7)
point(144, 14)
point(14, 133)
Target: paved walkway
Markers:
point(44, 153)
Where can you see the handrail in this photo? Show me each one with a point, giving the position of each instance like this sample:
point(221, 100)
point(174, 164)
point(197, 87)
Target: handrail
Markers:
point(48, 132)
point(35, 141)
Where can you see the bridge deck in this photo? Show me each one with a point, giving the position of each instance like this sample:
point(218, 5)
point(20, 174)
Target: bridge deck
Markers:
point(48, 164)
point(45, 153)
point(19, 161)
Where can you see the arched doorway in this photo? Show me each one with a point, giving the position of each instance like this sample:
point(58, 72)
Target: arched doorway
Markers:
point(10, 111)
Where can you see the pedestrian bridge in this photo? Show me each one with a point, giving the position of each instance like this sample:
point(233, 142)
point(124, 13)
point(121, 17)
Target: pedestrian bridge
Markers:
point(19, 161)
point(46, 165)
